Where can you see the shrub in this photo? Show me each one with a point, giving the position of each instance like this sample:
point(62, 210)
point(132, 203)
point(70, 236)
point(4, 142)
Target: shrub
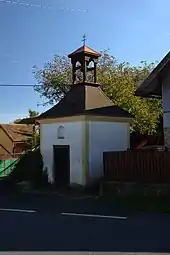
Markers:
point(30, 168)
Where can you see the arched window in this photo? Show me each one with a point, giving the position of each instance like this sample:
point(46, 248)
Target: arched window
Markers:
point(91, 64)
point(78, 64)
point(60, 132)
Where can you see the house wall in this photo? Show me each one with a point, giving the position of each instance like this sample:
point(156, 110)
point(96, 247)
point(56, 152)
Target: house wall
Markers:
point(73, 136)
point(166, 108)
point(6, 142)
point(105, 136)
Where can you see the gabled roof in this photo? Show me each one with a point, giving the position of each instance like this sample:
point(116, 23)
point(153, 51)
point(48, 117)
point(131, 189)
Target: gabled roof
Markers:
point(4, 153)
point(151, 87)
point(18, 132)
point(85, 49)
point(28, 121)
point(84, 99)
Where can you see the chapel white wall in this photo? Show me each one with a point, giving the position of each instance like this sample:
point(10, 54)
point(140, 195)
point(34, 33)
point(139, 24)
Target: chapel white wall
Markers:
point(105, 136)
point(73, 137)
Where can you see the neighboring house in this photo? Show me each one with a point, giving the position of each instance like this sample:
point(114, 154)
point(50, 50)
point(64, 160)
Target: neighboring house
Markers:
point(85, 123)
point(157, 85)
point(13, 139)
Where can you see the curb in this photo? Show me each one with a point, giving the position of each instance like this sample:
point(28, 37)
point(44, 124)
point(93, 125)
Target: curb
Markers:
point(59, 194)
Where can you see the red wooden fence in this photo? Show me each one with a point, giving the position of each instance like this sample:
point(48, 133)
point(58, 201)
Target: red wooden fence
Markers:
point(137, 166)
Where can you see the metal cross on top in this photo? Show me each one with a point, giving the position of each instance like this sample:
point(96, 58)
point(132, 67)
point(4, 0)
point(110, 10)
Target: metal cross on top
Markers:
point(84, 40)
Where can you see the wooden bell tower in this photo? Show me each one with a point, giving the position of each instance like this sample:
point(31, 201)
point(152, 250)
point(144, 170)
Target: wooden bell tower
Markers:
point(84, 56)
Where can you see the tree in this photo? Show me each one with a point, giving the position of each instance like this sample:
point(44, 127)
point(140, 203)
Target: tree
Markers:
point(35, 137)
point(32, 113)
point(118, 80)
point(17, 121)
point(33, 141)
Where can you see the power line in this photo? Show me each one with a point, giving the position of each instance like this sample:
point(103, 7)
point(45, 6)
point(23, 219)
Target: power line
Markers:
point(20, 85)
point(41, 6)
point(25, 85)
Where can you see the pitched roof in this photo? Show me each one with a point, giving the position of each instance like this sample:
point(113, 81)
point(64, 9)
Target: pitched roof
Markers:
point(82, 99)
point(29, 121)
point(85, 49)
point(110, 111)
point(4, 152)
point(18, 132)
point(152, 84)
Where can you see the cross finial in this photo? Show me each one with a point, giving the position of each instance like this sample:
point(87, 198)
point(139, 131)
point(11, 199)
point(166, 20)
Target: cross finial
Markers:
point(84, 40)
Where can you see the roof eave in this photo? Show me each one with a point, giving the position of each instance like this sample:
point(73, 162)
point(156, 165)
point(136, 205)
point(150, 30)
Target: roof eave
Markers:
point(147, 88)
point(27, 121)
point(84, 52)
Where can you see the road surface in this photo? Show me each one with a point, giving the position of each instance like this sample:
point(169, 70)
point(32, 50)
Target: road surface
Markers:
point(43, 223)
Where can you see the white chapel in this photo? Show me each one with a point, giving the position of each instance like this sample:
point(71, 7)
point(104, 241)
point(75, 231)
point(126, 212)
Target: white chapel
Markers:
point(75, 132)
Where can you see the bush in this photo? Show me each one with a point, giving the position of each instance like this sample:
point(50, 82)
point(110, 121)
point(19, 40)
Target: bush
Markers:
point(30, 168)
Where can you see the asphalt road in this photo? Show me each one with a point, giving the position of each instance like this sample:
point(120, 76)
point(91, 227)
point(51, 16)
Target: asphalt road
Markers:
point(45, 228)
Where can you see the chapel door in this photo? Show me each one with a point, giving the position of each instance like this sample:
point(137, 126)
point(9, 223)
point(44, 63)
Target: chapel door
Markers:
point(61, 164)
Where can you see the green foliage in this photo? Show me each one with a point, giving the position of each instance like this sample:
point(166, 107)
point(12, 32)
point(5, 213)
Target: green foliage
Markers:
point(55, 77)
point(30, 168)
point(32, 113)
point(17, 121)
point(35, 138)
point(118, 80)
point(33, 141)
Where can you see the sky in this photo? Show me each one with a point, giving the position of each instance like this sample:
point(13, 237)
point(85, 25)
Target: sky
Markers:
point(32, 31)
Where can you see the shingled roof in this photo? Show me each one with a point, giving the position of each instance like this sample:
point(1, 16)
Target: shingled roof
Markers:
point(84, 99)
point(18, 132)
point(152, 85)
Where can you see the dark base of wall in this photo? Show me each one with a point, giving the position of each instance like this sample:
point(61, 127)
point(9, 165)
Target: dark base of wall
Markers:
point(134, 189)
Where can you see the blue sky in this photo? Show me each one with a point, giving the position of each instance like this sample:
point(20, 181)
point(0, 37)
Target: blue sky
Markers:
point(32, 31)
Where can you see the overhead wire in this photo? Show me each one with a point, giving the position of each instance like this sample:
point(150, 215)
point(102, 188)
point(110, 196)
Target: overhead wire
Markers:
point(20, 85)
point(41, 6)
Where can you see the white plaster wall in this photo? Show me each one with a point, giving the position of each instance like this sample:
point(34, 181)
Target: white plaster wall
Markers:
point(73, 137)
point(166, 101)
point(105, 136)
point(166, 120)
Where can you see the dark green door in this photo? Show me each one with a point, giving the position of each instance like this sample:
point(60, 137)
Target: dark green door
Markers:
point(61, 164)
